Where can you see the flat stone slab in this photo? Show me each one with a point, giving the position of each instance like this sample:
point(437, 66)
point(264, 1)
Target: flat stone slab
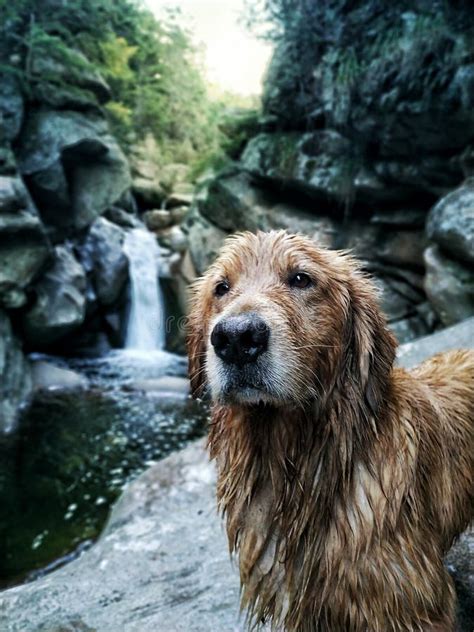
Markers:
point(460, 336)
point(47, 375)
point(162, 564)
point(164, 386)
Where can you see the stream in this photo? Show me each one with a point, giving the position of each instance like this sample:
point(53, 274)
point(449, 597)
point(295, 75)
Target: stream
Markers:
point(73, 452)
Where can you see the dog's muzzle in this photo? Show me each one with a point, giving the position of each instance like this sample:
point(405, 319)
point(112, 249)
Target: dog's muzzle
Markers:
point(240, 340)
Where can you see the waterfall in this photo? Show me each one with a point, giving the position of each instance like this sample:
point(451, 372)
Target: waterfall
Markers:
point(146, 324)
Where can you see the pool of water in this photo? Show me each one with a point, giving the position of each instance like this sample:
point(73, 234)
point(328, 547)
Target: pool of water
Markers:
point(73, 452)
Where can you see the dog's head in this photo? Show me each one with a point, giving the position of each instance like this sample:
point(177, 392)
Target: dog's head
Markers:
point(278, 321)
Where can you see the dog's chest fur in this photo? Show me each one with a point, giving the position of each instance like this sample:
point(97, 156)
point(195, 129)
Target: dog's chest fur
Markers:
point(322, 541)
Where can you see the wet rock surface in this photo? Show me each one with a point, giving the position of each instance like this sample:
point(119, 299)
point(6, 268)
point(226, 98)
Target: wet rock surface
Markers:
point(162, 562)
point(72, 165)
point(46, 375)
point(59, 305)
point(451, 223)
point(103, 257)
point(449, 286)
point(15, 377)
point(24, 246)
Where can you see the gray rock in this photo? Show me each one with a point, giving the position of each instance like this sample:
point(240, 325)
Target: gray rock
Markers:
point(121, 217)
point(46, 375)
point(7, 161)
point(15, 377)
point(13, 195)
point(179, 199)
point(309, 161)
point(166, 386)
point(179, 213)
point(384, 94)
point(460, 336)
point(451, 223)
point(409, 328)
point(394, 304)
point(163, 563)
point(173, 238)
point(204, 238)
point(11, 108)
point(400, 218)
point(148, 192)
point(158, 219)
point(449, 286)
point(60, 304)
point(73, 167)
point(319, 164)
point(103, 258)
point(401, 248)
point(231, 202)
point(322, 230)
point(24, 247)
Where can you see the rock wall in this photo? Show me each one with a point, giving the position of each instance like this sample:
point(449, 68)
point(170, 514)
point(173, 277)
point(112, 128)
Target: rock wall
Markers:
point(63, 274)
point(365, 143)
point(68, 194)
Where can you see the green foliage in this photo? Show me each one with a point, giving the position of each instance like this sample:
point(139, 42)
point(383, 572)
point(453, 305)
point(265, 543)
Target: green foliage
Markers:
point(152, 67)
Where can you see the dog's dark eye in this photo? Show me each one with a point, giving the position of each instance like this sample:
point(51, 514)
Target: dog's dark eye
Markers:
point(221, 288)
point(300, 280)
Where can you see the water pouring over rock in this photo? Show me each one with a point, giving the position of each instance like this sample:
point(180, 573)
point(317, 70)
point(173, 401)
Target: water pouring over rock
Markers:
point(146, 324)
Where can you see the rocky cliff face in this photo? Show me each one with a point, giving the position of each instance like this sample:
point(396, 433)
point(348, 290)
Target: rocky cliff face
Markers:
point(62, 269)
point(68, 194)
point(365, 143)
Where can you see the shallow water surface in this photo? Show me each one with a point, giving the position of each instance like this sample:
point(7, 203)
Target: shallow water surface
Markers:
point(73, 452)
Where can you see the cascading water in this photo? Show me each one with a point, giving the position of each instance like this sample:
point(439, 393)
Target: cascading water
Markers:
point(146, 324)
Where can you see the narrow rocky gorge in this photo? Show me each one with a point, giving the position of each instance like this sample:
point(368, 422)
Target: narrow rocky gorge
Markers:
point(364, 141)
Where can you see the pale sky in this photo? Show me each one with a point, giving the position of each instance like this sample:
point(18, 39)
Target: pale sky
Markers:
point(234, 59)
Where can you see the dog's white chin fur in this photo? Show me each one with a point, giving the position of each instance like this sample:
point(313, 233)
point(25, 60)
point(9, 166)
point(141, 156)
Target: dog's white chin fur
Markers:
point(247, 396)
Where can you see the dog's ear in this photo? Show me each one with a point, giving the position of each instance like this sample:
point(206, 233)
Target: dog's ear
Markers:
point(372, 346)
point(195, 339)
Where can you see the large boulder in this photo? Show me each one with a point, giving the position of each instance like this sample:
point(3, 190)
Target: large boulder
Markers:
point(73, 167)
point(451, 223)
point(231, 202)
point(60, 302)
point(319, 164)
point(234, 202)
point(449, 286)
point(204, 240)
point(102, 256)
point(24, 247)
point(15, 377)
point(162, 563)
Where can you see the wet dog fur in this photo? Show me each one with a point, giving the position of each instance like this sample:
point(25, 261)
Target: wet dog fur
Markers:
point(343, 480)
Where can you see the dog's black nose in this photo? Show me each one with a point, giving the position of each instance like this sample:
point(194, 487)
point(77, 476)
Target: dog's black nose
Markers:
point(240, 339)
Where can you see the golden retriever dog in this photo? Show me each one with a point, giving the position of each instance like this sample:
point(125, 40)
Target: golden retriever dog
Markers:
point(343, 480)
